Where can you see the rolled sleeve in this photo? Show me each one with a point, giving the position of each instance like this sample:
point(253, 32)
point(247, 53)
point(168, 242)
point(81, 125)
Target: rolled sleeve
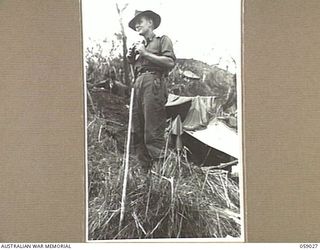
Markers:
point(167, 47)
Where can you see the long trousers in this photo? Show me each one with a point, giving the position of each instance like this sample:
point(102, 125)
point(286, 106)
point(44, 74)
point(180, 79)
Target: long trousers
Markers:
point(149, 117)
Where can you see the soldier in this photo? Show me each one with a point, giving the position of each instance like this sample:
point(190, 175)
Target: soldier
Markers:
point(152, 59)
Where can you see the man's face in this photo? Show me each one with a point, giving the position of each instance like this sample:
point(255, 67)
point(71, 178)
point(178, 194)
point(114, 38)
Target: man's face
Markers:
point(143, 25)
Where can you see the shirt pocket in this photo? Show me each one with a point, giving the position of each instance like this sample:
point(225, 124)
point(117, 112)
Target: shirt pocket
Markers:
point(154, 47)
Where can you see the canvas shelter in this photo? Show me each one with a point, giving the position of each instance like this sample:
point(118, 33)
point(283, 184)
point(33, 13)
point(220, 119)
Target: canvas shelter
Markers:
point(209, 139)
point(189, 74)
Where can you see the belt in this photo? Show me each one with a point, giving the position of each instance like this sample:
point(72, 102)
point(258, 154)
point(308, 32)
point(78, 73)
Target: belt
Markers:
point(147, 71)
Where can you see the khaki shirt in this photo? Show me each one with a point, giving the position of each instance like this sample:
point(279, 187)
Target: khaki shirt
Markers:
point(161, 46)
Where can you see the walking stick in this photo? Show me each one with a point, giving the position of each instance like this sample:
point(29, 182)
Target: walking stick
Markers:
point(125, 177)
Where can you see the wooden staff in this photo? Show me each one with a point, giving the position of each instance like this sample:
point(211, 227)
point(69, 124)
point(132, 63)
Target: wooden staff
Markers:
point(125, 177)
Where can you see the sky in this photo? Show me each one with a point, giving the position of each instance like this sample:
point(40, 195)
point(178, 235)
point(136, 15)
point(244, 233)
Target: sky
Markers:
point(206, 30)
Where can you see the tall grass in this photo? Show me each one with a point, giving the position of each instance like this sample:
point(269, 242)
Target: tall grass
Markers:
point(181, 200)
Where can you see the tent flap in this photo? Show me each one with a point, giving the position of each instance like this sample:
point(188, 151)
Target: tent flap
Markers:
point(219, 136)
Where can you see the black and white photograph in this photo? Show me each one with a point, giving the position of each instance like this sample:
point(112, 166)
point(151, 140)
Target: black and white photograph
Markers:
point(163, 120)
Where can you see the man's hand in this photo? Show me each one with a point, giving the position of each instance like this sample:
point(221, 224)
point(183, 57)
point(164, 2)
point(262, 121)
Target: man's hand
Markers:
point(141, 49)
point(162, 61)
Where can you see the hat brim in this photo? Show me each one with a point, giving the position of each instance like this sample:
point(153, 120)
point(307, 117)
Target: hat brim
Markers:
point(149, 13)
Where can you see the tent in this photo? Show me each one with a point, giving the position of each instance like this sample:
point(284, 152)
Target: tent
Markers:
point(190, 75)
point(209, 139)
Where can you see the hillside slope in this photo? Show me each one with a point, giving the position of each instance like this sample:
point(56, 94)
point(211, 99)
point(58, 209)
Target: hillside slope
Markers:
point(209, 80)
